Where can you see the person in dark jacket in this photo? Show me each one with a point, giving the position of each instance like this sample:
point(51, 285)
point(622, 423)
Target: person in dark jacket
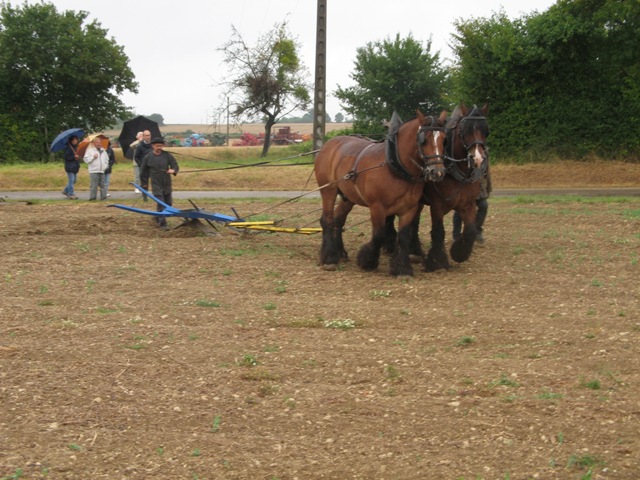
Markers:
point(71, 166)
point(159, 166)
point(107, 172)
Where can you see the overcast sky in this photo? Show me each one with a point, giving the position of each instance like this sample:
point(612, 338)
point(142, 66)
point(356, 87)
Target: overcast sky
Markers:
point(172, 45)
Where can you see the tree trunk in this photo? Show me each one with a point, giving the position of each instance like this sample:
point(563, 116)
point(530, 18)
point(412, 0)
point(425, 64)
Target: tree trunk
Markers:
point(271, 121)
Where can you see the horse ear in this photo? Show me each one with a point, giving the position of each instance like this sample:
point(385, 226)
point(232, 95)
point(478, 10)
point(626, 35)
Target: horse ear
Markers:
point(463, 109)
point(485, 109)
point(443, 116)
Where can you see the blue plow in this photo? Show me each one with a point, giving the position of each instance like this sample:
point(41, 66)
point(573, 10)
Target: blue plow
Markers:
point(170, 211)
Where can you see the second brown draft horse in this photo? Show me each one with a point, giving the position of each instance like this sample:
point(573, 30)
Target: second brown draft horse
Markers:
point(467, 161)
point(387, 177)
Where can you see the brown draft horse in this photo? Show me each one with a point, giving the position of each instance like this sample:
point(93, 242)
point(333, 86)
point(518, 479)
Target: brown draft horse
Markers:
point(467, 161)
point(387, 177)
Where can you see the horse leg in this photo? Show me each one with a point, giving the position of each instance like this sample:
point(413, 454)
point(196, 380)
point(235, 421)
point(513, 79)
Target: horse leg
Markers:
point(461, 249)
point(390, 234)
point(416, 253)
point(340, 218)
point(400, 262)
point(369, 254)
point(329, 253)
point(436, 258)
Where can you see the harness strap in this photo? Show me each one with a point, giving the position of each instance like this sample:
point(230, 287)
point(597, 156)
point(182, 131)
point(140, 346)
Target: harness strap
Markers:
point(353, 173)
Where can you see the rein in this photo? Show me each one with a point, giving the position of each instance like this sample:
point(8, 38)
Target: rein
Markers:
point(241, 165)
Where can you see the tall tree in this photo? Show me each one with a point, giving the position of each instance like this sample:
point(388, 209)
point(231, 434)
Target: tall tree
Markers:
point(57, 71)
point(564, 82)
point(393, 75)
point(267, 81)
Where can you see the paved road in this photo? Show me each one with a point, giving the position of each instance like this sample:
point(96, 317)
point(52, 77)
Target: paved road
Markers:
point(194, 194)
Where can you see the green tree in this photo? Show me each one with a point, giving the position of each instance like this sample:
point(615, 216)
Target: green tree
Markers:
point(565, 82)
point(156, 117)
point(267, 81)
point(399, 75)
point(58, 72)
point(339, 117)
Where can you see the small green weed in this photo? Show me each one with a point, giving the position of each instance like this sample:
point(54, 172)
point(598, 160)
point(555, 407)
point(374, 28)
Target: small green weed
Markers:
point(281, 287)
point(75, 447)
point(270, 306)
point(104, 310)
point(196, 453)
point(392, 373)
point(215, 426)
point(504, 381)
point(380, 293)
point(83, 247)
point(14, 476)
point(582, 462)
point(208, 303)
point(248, 360)
point(46, 303)
point(591, 384)
point(466, 340)
point(550, 396)
point(345, 324)
point(596, 283)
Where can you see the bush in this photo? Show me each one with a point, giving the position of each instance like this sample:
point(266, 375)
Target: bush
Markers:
point(18, 142)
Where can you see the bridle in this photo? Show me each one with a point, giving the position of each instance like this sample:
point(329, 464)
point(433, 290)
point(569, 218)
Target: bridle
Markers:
point(471, 173)
point(429, 162)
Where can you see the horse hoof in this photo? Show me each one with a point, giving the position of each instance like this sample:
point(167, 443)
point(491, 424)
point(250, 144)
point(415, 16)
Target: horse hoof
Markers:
point(330, 267)
point(415, 258)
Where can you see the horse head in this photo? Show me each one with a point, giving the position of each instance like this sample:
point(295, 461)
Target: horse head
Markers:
point(430, 139)
point(467, 132)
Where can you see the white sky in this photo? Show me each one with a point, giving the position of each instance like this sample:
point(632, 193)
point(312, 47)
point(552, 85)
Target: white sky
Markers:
point(172, 45)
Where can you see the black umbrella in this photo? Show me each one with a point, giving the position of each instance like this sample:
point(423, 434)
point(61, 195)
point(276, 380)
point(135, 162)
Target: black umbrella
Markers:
point(129, 130)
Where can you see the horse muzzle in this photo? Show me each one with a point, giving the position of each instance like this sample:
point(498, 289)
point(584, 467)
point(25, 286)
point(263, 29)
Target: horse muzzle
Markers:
point(435, 172)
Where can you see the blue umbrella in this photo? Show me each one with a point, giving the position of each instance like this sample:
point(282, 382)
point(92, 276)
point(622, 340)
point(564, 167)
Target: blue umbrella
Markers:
point(61, 140)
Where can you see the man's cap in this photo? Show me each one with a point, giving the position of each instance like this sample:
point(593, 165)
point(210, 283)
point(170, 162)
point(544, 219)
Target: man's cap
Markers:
point(157, 140)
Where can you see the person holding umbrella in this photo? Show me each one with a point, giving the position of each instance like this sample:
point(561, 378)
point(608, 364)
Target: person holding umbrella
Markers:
point(97, 159)
point(159, 166)
point(71, 166)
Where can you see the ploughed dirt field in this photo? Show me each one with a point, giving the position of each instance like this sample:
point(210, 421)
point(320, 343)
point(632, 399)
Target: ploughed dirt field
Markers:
point(131, 352)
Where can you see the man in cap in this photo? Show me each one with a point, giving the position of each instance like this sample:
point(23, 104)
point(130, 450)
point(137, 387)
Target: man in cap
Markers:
point(159, 166)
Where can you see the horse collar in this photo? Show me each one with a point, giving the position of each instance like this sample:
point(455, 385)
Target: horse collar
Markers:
point(393, 159)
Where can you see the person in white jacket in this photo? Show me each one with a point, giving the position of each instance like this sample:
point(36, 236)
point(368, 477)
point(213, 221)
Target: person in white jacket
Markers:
point(97, 159)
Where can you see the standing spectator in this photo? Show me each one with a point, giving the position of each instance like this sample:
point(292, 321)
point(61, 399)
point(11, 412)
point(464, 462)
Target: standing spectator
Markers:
point(136, 167)
point(159, 166)
point(107, 172)
point(71, 166)
point(483, 207)
point(98, 161)
point(142, 149)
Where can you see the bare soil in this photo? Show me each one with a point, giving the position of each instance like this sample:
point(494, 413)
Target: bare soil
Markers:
point(131, 352)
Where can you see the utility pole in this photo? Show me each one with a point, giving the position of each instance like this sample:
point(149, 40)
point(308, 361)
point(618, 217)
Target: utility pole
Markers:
point(319, 101)
point(227, 121)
